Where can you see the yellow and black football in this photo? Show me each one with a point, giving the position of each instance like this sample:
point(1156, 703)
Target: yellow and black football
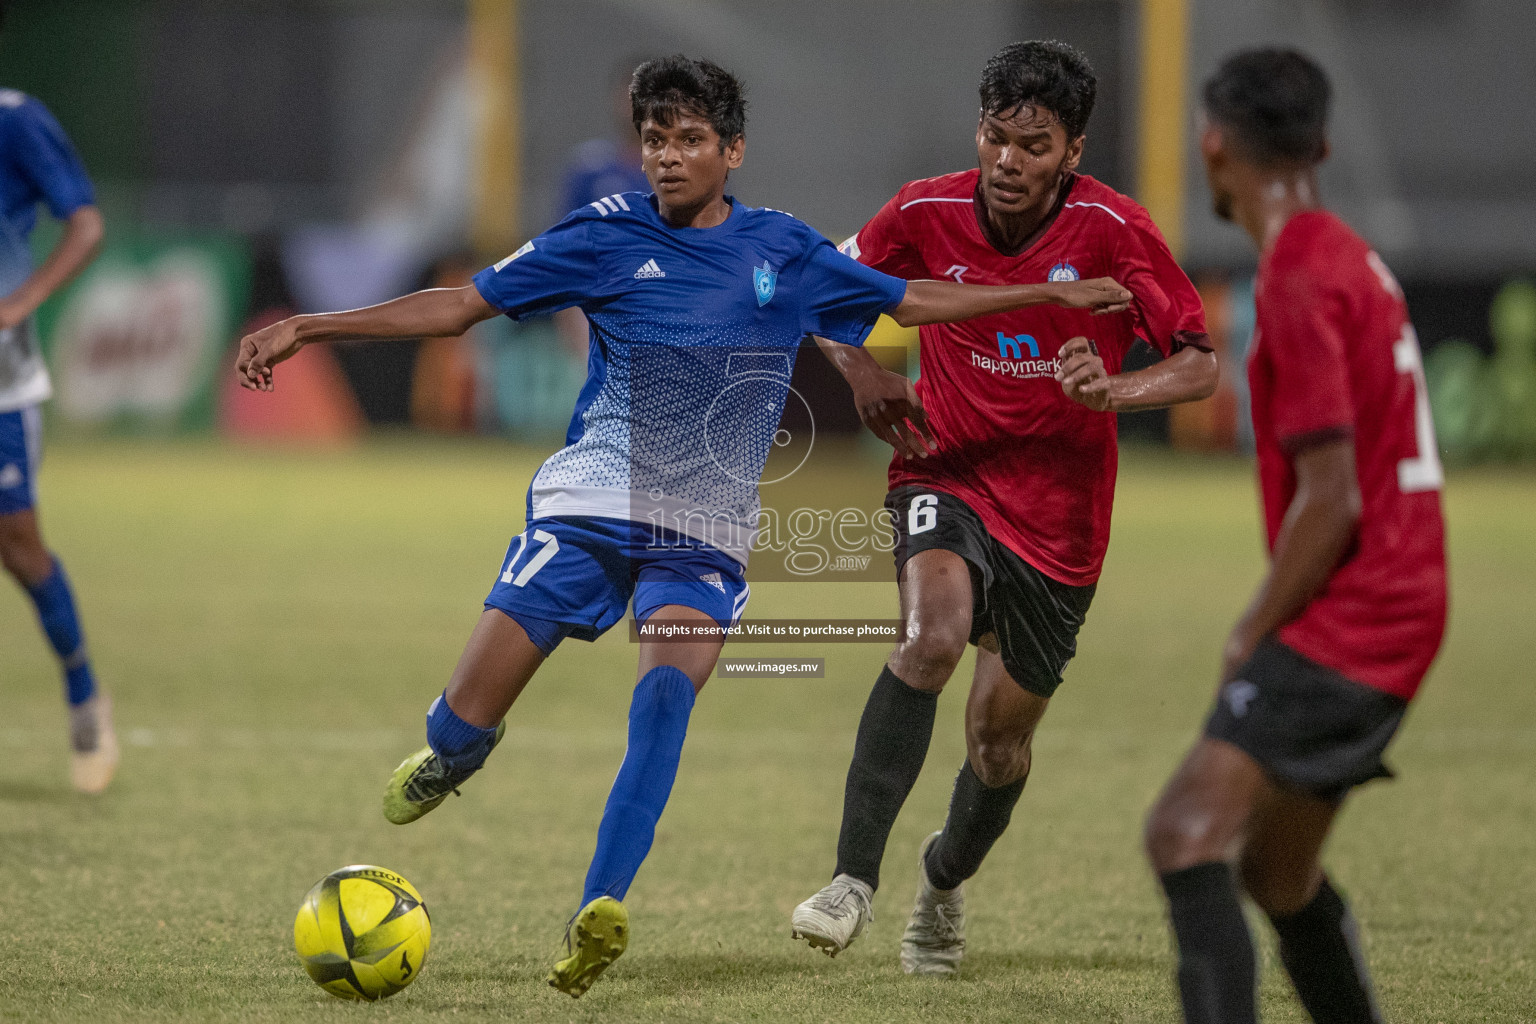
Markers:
point(363, 932)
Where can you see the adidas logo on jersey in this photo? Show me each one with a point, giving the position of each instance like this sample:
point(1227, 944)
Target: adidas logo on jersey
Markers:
point(714, 580)
point(649, 269)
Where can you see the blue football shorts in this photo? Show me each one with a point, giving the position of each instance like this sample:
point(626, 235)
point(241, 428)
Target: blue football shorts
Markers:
point(575, 575)
point(21, 448)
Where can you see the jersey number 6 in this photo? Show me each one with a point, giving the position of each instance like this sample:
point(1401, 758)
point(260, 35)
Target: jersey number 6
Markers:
point(922, 514)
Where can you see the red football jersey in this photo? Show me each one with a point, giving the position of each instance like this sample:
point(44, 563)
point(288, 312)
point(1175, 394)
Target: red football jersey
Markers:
point(1037, 467)
point(1334, 355)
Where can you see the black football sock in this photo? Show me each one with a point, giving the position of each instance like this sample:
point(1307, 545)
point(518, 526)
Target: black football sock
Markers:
point(1320, 947)
point(1216, 963)
point(978, 815)
point(887, 757)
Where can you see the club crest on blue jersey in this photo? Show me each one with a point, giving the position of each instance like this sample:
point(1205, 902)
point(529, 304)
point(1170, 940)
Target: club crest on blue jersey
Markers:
point(1063, 272)
point(764, 281)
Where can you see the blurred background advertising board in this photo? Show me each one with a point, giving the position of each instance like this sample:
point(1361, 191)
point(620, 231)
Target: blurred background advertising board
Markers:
point(138, 340)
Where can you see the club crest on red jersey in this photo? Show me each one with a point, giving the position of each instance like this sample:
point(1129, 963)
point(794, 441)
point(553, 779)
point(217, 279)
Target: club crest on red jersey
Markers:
point(1063, 271)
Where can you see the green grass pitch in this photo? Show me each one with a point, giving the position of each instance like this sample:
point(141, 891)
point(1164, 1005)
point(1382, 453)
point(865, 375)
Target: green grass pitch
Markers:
point(273, 626)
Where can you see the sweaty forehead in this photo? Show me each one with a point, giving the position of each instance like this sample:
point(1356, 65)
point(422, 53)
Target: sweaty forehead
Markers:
point(1026, 119)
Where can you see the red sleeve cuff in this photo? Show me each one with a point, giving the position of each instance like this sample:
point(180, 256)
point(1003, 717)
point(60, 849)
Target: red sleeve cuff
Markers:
point(1190, 339)
point(1291, 444)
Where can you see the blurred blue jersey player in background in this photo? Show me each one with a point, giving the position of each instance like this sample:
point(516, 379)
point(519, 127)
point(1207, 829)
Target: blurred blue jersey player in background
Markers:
point(653, 499)
point(609, 163)
point(602, 166)
point(38, 165)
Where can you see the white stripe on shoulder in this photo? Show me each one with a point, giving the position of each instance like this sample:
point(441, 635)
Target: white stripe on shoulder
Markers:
point(32, 432)
point(933, 199)
point(612, 206)
point(1101, 206)
point(599, 207)
point(620, 200)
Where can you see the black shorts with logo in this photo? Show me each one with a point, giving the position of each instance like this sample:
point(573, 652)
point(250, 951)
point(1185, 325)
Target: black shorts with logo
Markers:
point(1308, 726)
point(1035, 618)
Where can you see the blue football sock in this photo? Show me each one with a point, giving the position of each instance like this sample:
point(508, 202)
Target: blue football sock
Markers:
point(461, 747)
point(56, 611)
point(658, 721)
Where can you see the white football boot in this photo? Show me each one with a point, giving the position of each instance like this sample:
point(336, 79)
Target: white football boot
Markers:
point(835, 916)
point(934, 940)
point(93, 751)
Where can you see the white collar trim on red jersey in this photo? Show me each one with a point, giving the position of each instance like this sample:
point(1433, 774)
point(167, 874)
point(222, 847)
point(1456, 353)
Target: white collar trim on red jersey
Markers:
point(944, 199)
point(1101, 206)
point(935, 199)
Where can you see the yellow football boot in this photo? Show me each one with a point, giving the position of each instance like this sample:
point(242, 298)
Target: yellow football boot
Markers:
point(594, 939)
point(422, 782)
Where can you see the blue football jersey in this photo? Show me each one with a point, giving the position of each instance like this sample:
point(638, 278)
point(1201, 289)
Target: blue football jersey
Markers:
point(694, 333)
point(37, 165)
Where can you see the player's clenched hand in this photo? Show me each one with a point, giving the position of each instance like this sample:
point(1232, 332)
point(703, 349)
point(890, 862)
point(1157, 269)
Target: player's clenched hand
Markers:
point(890, 408)
point(264, 349)
point(1237, 651)
point(1082, 374)
point(1100, 294)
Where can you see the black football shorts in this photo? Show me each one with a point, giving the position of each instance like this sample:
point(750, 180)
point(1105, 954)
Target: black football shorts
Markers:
point(1035, 618)
point(1309, 727)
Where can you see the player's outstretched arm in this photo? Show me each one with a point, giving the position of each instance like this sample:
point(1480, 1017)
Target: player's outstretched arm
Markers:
point(1318, 527)
point(1188, 375)
point(933, 302)
point(887, 403)
point(434, 313)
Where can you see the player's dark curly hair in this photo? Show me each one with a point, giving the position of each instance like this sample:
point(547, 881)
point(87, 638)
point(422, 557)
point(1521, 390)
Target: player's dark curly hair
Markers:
point(1040, 73)
point(1275, 104)
point(669, 86)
